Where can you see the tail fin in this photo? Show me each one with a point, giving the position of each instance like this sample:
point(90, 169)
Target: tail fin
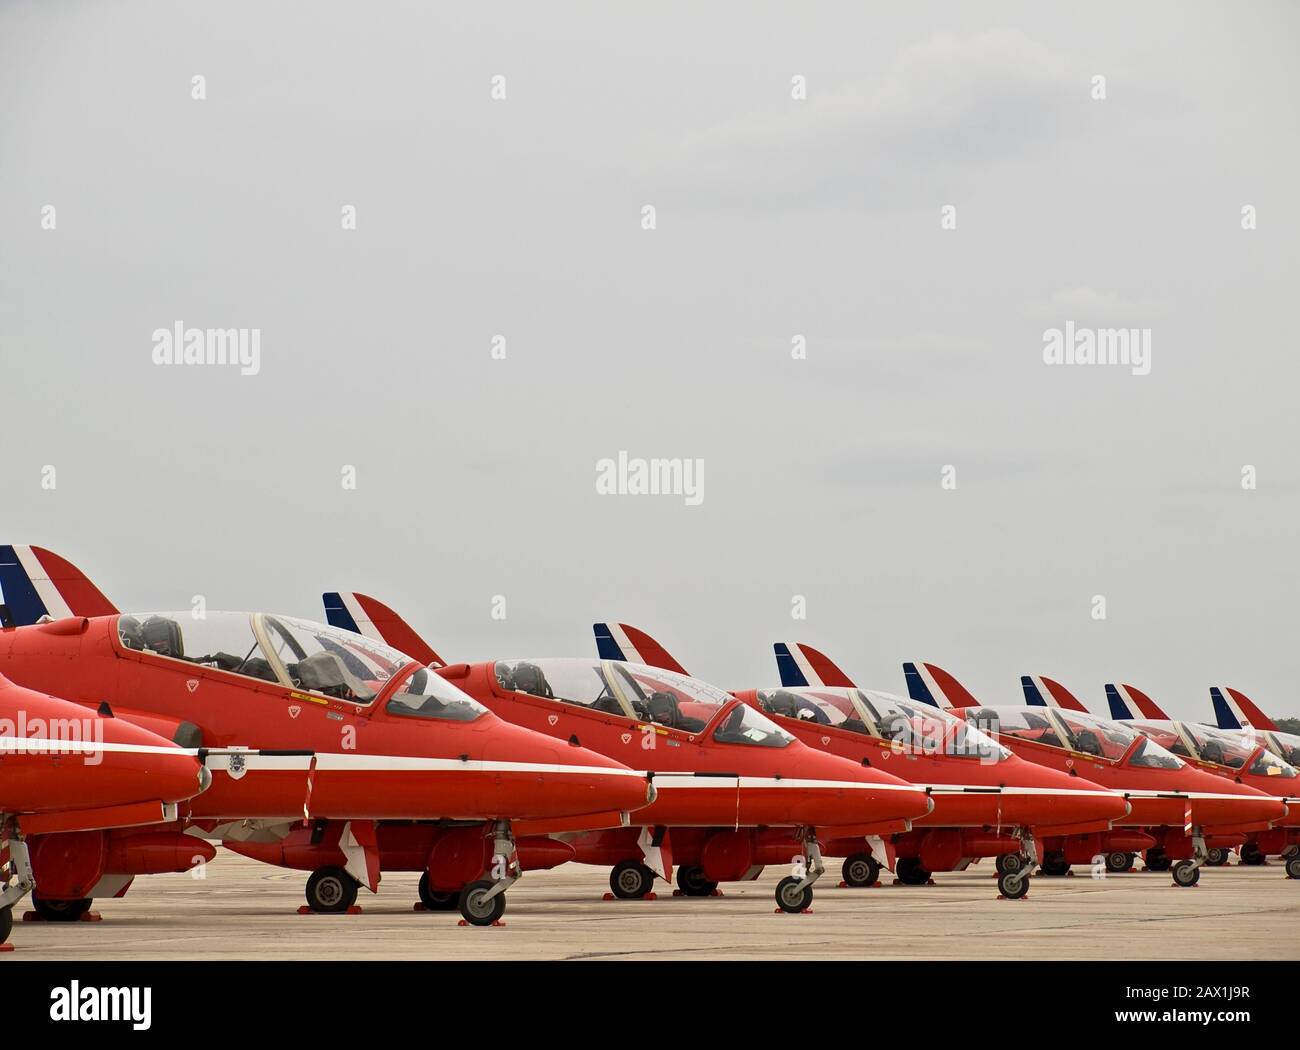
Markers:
point(35, 583)
point(619, 641)
point(372, 618)
point(1128, 702)
point(1045, 692)
point(1235, 710)
point(802, 665)
point(933, 685)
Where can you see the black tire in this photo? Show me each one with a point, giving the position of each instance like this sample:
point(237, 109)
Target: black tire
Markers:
point(1216, 857)
point(1013, 884)
point(1251, 854)
point(1292, 868)
point(692, 883)
point(1054, 864)
point(1118, 862)
point(631, 880)
point(860, 869)
point(1157, 859)
point(60, 910)
point(910, 872)
point(6, 923)
point(435, 900)
point(478, 911)
point(1186, 873)
point(1008, 863)
point(331, 891)
point(789, 898)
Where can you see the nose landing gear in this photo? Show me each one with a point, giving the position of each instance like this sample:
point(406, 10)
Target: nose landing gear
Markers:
point(794, 893)
point(482, 903)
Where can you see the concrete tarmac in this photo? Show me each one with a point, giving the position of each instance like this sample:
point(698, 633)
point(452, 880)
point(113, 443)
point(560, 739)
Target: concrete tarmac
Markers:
point(242, 909)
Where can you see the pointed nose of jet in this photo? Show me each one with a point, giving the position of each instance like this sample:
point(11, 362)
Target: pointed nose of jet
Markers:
point(141, 766)
point(1045, 797)
point(1216, 800)
point(824, 790)
point(537, 776)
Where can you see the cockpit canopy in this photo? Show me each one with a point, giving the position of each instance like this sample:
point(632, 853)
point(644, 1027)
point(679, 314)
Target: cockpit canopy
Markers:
point(297, 654)
point(914, 726)
point(1221, 747)
point(1074, 731)
point(637, 691)
point(1285, 745)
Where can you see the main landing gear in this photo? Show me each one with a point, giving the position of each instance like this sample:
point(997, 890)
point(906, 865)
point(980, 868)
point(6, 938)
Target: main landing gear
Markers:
point(910, 871)
point(60, 910)
point(482, 903)
point(1118, 863)
point(331, 891)
point(433, 900)
point(861, 869)
point(692, 881)
point(794, 893)
point(631, 880)
point(1292, 867)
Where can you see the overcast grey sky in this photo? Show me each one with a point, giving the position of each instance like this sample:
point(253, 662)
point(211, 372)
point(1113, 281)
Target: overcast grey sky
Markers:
point(775, 217)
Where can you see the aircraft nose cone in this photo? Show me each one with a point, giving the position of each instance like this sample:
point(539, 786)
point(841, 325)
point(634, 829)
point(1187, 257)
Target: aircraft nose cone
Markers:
point(158, 770)
point(539, 776)
point(1053, 797)
point(868, 795)
point(1218, 800)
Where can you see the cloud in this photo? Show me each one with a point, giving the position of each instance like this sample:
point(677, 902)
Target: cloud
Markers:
point(944, 107)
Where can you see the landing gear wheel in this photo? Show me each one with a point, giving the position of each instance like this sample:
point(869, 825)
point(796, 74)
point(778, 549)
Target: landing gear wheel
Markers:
point(433, 900)
point(1216, 857)
point(1186, 873)
point(1013, 884)
point(691, 881)
point(1292, 869)
point(1251, 854)
point(1117, 862)
point(1054, 864)
point(1157, 859)
point(910, 872)
point(631, 880)
point(6, 923)
point(60, 911)
point(331, 891)
point(790, 898)
point(477, 908)
point(861, 869)
point(1007, 863)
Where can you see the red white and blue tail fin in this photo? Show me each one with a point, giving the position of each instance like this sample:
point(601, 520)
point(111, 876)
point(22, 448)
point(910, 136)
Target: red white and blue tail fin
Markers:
point(932, 685)
point(372, 618)
point(36, 583)
point(620, 641)
point(1046, 692)
point(801, 665)
point(1233, 709)
point(1128, 702)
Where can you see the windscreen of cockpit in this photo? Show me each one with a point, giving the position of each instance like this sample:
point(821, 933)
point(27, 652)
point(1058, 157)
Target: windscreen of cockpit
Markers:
point(924, 729)
point(1285, 745)
point(329, 660)
point(616, 687)
point(1233, 749)
point(426, 694)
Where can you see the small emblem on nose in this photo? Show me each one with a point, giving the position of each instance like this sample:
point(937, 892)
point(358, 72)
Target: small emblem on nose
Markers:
point(626, 738)
point(294, 711)
point(192, 684)
point(825, 740)
point(552, 719)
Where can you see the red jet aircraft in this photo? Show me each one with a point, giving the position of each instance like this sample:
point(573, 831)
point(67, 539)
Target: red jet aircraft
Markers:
point(66, 771)
point(731, 784)
point(1178, 810)
point(348, 730)
point(1251, 754)
point(987, 802)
